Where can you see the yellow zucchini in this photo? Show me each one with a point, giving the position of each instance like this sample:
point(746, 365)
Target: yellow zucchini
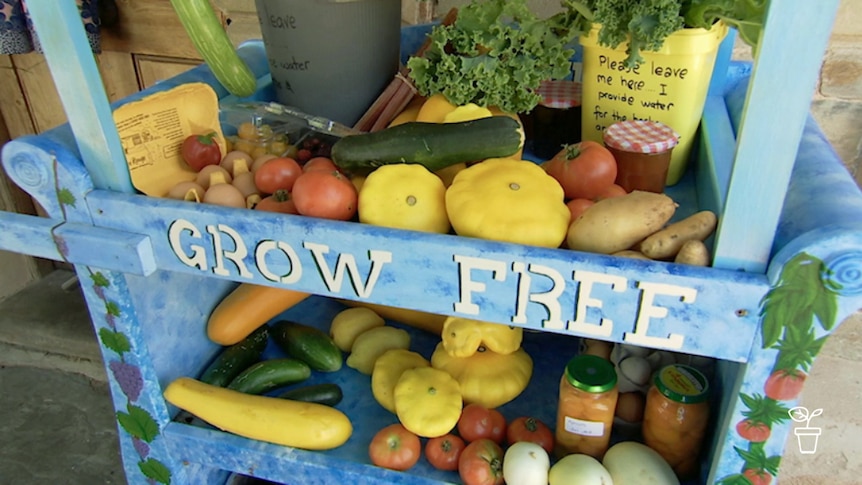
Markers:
point(305, 425)
point(212, 43)
point(246, 308)
point(429, 322)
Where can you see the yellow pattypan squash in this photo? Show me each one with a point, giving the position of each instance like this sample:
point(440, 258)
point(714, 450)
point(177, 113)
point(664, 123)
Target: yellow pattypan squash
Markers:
point(463, 337)
point(404, 196)
point(388, 369)
point(508, 200)
point(428, 401)
point(486, 377)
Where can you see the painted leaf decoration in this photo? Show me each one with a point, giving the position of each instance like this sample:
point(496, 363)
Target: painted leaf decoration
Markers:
point(737, 479)
point(825, 308)
point(772, 463)
point(112, 308)
point(138, 423)
point(155, 470)
point(100, 280)
point(115, 341)
point(66, 197)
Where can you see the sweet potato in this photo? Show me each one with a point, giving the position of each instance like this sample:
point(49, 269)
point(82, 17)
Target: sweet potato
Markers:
point(693, 252)
point(664, 244)
point(619, 223)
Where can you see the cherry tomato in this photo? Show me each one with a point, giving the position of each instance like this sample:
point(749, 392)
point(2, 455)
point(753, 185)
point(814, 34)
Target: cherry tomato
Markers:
point(481, 463)
point(527, 428)
point(280, 202)
point(444, 451)
point(478, 422)
point(584, 169)
point(328, 195)
point(613, 190)
point(577, 207)
point(319, 163)
point(394, 447)
point(279, 173)
point(198, 151)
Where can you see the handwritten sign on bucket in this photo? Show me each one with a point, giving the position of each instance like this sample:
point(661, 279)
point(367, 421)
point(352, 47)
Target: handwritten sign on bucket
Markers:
point(670, 86)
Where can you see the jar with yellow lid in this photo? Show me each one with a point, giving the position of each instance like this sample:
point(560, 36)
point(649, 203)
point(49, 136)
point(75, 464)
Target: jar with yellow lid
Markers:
point(676, 417)
point(585, 413)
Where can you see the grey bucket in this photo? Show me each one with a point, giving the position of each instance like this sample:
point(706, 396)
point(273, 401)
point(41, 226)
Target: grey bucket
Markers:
point(331, 58)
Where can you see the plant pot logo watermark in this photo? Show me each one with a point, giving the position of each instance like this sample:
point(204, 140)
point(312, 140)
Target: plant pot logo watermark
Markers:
point(806, 436)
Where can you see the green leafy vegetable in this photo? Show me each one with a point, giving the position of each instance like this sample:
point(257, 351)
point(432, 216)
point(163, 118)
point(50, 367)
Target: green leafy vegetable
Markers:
point(645, 24)
point(496, 53)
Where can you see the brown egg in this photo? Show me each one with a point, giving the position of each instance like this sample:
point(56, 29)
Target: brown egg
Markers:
point(630, 406)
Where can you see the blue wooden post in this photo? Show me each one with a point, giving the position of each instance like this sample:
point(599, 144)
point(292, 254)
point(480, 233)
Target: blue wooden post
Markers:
point(82, 92)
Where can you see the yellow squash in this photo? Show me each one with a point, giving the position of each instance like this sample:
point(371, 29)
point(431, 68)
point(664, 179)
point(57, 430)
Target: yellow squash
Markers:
point(508, 200)
point(388, 369)
point(462, 337)
point(486, 377)
point(298, 424)
point(428, 401)
point(404, 196)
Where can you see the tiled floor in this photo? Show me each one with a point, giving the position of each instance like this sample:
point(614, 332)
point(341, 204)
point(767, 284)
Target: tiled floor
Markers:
point(58, 425)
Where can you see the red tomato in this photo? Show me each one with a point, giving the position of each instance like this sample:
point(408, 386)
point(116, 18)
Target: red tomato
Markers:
point(478, 422)
point(753, 431)
point(481, 463)
point(577, 207)
point(757, 476)
point(584, 169)
point(280, 202)
point(526, 428)
point(444, 451)
point(319, 163)
point(329, 195)
point(279, 173)
point(613, 190)
point(198, 151)
point(784, 385)
point(394, 447)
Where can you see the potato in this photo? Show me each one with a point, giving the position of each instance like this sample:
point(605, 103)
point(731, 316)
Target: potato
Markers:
point(693, 252)
point(665, 243)
point(373, 343)
point(619, 223)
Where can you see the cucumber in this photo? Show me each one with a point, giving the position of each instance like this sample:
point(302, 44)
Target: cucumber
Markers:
point(308, 344)
point(433, 145)
point(236, 358)
point(212, 43)
point(270, 374)
point(327, 393)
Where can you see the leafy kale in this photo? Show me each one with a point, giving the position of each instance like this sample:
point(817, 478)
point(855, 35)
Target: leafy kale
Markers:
point(496, 53)
point(645, 24)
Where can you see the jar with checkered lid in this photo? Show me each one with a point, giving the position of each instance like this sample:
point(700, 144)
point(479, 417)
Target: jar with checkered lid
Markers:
point(642, 149)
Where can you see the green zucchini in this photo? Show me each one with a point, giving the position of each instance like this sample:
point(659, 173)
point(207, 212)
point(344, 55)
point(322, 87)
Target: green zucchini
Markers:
point(236, 358)
point(212, 43)
point(308, 344)
point(270, 374)
point(433, 145)
point(326, 393)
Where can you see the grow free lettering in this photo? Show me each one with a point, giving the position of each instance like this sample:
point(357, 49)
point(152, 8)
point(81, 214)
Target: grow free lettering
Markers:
point(221, 250)
point(646, 88)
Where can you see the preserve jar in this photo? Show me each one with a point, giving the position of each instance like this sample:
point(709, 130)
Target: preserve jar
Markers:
point(585, 412)
point(675, 417)
point(642, 149)
point(556, 121)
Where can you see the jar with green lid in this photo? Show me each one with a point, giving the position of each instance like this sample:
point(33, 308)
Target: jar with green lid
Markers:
point(585, 412)
point(676, 417)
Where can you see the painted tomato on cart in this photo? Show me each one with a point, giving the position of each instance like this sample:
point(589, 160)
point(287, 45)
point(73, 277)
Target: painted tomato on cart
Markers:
point(784, 385)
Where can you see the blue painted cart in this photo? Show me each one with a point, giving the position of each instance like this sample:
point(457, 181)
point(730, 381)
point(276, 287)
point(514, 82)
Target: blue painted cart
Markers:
point(787, 266)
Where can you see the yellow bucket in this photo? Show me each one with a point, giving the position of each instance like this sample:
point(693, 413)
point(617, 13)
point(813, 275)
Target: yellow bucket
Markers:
point(670, 86)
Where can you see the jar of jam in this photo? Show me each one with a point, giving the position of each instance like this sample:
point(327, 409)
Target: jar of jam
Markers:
point(556, 121)
point(675, 417)
point(642, 150)
point(585, 413)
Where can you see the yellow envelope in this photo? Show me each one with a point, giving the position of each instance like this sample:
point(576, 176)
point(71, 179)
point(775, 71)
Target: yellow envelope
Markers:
point(152, 131)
